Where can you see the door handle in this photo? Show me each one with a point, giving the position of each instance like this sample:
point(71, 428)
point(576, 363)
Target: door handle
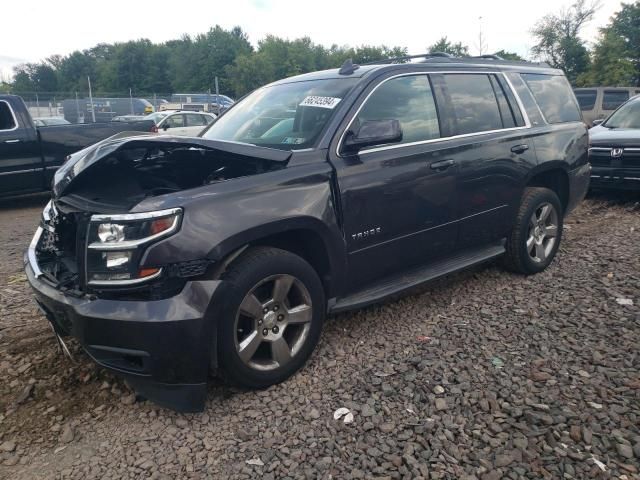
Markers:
point(15, 140)
point(520, 148)
point(443, 165)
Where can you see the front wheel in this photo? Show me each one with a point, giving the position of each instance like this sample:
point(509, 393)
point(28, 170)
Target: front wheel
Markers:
point(536, 235)
point(272, 317)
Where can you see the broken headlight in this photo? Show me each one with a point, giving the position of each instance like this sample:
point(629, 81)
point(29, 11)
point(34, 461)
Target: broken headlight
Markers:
point(117, 243)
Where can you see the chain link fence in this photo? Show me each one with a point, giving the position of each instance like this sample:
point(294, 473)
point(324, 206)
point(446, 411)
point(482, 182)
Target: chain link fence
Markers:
point(81, 107)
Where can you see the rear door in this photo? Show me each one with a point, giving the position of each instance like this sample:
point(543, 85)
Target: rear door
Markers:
point(493, 152)
point(397, 200)
point(20, 161)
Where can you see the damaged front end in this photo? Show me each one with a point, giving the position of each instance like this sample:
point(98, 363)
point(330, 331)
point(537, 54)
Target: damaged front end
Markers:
point(91, 242)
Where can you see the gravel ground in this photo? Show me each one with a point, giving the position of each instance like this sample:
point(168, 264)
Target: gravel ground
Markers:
point(484, 375)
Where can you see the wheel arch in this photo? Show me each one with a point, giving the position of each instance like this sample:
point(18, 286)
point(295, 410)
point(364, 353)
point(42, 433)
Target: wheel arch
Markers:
point(554, 176)
point(307, 237)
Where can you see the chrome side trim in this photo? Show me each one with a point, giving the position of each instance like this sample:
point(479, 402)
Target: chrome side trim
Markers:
point(15, 120)
point(31, 253)
point(427, 229)
point(134, 281)
point(15, 172)
point(441, 139)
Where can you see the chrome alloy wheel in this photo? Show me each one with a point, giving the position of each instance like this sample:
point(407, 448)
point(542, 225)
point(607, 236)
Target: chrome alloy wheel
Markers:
point(543, 232)
point(273, 322)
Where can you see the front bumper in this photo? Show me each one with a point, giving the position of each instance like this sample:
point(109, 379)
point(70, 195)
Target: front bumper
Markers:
point(616, 178)
point(163, 347)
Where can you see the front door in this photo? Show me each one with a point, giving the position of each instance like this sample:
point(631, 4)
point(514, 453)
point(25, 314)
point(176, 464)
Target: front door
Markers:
point(397, 200)
point(20, 161)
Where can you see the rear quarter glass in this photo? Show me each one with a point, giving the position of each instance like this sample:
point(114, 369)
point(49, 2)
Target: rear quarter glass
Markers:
point(554, 96)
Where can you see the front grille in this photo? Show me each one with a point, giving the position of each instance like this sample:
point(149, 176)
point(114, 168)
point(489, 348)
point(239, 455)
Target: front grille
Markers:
point(601, 157)
point(60, 250)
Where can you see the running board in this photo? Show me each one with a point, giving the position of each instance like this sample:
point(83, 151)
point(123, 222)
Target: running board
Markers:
point(411, 278)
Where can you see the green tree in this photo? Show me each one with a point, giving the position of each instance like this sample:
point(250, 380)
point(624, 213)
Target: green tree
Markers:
point(610, 64)
point(625, 25)
point(508, 55)
point(445, 46)
point(558, 40)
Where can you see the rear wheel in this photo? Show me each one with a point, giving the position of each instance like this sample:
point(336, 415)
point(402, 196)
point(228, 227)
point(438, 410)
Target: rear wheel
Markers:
point(536, 235)
point(272, 319)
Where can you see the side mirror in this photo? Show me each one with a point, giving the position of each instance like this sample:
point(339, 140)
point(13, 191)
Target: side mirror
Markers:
point(373, 132)
point(597, 121)
point(165, 126)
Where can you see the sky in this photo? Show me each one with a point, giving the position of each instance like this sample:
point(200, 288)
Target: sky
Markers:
point(36, 30)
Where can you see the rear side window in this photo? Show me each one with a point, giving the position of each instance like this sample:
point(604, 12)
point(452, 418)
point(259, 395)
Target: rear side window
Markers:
point(612, 99)
point(474, 103)
point(586, 99)
point(554, 96)
point(7, 121)
point(409, 100)
point(195, 120)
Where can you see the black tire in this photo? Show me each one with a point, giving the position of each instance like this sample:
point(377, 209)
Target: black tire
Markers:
point(518, 257)
point(241, 277)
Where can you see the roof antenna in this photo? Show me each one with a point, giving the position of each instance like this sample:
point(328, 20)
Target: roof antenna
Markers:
point(348, 67)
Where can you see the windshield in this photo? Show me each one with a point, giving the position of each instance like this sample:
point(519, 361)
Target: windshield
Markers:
point(287, 116)
point(627, 116)
point(156, 117)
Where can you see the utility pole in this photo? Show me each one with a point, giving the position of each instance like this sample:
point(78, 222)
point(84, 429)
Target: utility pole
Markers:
point(78, 110)
point(217, 96)
point(130, 101)
point(482, 46)
point(93, 110)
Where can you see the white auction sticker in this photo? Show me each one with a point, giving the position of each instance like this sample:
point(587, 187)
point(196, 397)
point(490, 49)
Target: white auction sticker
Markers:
point(323, 102)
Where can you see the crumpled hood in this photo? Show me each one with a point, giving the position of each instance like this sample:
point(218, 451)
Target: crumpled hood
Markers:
point(614, 137)
point(80, 161)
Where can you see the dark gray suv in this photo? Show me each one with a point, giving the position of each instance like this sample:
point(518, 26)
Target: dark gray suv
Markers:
point(171, 259)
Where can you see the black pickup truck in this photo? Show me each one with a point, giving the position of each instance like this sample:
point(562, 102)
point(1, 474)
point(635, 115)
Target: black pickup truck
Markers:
point(171, 259)
point(30, 155)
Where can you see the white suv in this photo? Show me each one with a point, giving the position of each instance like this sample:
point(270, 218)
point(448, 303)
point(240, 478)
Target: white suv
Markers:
point(188, 124)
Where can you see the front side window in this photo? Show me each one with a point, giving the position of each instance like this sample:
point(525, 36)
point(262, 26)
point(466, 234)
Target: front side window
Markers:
point(175, 121)
point(7, 121)
point(407, 99)
point(554, 97)
point(474, 103)
point(627, 116)
point(586, 99)
point(612, 99)
point(287, 116)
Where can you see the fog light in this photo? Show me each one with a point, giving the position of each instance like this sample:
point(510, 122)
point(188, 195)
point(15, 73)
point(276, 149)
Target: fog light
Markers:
point(110, 232)
point(116, 259)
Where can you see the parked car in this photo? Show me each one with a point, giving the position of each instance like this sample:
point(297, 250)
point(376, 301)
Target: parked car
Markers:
point(188, 124)
point(614, 149)
point(29, 155)
point(128, 118)
point(597, 103)
point(79, 111)
point(171, 258)
point(48, 121)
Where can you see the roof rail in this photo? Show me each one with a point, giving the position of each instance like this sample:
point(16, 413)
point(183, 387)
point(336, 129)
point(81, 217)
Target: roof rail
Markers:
point(410, 57)
point(489, 56)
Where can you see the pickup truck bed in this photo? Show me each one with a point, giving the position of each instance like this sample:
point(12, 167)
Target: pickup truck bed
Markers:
point(29, 156)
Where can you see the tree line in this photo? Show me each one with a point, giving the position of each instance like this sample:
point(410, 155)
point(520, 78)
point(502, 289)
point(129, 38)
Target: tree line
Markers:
point(190, 63)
